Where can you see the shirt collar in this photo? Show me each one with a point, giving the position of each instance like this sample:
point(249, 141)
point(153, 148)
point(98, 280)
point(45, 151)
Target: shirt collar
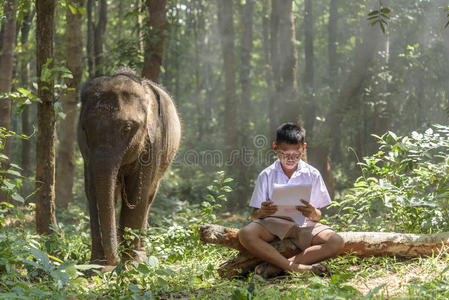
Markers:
point(278, 167)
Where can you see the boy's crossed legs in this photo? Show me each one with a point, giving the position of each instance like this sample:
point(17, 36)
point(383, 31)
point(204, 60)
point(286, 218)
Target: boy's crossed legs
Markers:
point(255, 238)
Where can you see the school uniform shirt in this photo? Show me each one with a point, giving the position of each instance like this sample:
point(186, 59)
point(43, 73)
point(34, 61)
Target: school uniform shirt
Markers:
point(305, 174)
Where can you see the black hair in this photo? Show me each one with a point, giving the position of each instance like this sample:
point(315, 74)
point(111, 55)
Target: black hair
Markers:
point(290, 133)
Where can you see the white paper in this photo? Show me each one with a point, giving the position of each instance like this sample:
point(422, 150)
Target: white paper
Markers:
point(287, 196)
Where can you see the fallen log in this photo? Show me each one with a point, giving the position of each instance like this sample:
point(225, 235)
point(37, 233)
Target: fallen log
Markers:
point(356, 243)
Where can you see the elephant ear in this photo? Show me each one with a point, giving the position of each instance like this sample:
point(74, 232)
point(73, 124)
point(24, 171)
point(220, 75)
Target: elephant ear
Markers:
point(152, 113)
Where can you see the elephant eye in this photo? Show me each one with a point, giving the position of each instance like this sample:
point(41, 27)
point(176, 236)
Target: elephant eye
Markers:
point(127, 128)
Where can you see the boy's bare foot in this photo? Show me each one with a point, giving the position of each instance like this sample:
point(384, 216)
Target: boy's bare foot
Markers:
point(267, 270)
point(319, 269)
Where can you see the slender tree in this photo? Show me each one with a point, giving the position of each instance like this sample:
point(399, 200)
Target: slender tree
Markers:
point(45, 149)
point(309, 88)
point(332, 45)
point(154, 39)
point(284, 60)
point(275, 62)
point(25, 74)
point(227, 35)
point(8, 39)
point(349, 92)
point(291, 107)
point(268, 72)
point(100, 29)
point(90, 36)
point(246, 44)
point(66, 152)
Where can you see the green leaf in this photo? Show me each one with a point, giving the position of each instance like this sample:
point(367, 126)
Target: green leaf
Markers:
point(13, 172)
point(228, 180)
point(447, 24)
point(25, 92)
point(374, 12)
point(87, 267)
point(226, 189)
point(17, 197)
point(385, 10)
point(72, 9)
point(162, 282)
point(153, 262)
point(9, 185)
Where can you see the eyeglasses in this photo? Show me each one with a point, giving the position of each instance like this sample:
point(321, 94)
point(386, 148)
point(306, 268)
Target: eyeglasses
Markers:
point(291, 155)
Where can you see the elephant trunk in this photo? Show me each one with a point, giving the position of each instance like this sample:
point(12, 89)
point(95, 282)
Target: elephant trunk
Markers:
point(105, 169)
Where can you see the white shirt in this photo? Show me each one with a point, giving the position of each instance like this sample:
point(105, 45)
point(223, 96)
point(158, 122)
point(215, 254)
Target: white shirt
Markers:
point(305, 174)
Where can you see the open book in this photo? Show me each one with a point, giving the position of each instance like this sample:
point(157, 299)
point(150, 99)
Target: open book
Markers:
point(287, 197)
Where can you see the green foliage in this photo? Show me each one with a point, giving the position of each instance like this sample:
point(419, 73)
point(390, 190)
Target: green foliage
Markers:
point(379, 16)
point(446, 9)
point(10, 178)
point(404, 186)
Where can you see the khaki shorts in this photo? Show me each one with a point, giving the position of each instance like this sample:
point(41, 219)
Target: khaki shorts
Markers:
point(301, 236)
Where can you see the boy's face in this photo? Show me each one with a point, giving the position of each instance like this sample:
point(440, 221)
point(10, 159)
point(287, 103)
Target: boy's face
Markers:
point(289, 154)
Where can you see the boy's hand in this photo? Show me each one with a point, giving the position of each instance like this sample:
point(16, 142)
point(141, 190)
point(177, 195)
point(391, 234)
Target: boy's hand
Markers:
point(309, 211)
point(267, 209)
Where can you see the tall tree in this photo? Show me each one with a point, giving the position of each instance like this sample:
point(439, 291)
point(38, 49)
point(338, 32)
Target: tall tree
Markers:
point(154, 39)
point(332, 45)
point(246, 43)
point(309, 88)
point(349, 93)
point(95, 36)
point(66, 152)
point(90, 37)
point(268, 72)
point(45, 149)
point(25, 74)
point(289, 63)
point(8, 39)
point(227, 35)
point(284, 60)
point(100, 29)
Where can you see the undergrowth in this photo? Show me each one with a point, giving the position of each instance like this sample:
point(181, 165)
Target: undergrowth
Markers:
point(177, 265)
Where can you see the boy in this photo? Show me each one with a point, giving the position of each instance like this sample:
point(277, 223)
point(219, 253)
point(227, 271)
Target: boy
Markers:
point(317, 241)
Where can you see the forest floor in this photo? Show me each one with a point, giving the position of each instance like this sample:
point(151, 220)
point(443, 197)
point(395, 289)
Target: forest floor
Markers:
point(177, 266)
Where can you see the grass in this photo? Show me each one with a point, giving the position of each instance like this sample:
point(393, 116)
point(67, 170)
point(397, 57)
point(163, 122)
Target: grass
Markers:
point(178, 266)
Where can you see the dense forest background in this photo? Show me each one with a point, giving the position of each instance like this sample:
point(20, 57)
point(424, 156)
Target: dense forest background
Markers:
point(238, 69)
point(369, 80)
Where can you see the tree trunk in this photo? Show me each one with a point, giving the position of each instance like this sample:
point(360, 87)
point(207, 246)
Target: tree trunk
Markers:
point(226, 30)
point(8, 39)
point(309, 89)
point(361, 244)
point(100, 30)
point(154, 39)
point(288, 63)
point(275, 65)
point(268, 73)
point(45, 149)
point(66, 153)
point(349, 92)
point(25, 74)
point(90, 49)
point(139, 26)
point(246, 42)
point(332, 46)
point(319, 158)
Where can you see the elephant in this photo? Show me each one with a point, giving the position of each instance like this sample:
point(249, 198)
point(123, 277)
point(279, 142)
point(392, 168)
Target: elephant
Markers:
point(128, 133)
